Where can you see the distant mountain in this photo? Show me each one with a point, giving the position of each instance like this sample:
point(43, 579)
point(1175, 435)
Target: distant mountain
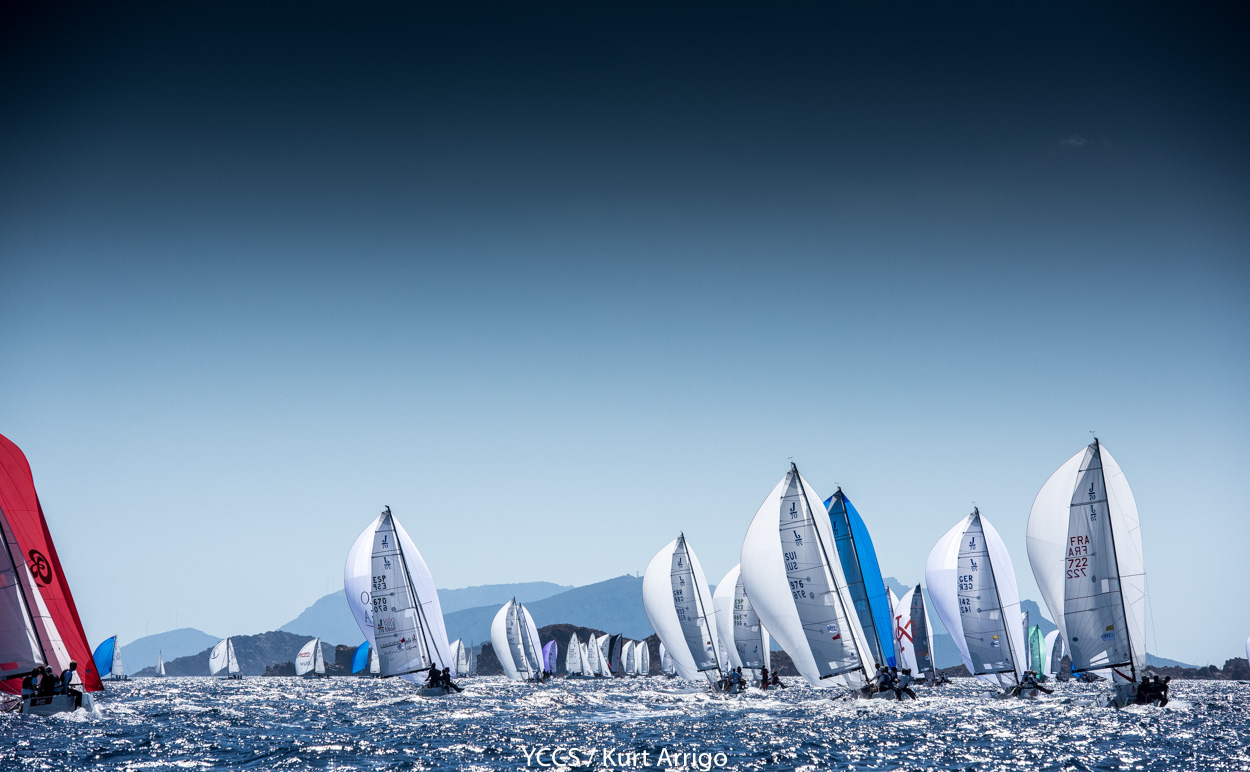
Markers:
point(257, 653)
point(142, 653)
point(331, 619)
point(614, 605)
point(1153, 661)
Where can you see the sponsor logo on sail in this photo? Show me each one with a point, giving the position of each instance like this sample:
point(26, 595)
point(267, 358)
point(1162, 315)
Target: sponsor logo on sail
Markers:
point(40, 567)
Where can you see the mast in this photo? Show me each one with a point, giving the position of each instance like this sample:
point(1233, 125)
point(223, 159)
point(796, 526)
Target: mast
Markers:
point(21, 586)
point(698, 599)
point(1115, 557)
point(998, 596)
point(829, 566)
point(412, 593)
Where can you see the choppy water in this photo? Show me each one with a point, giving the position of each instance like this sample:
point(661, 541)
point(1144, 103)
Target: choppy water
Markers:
point(348, 723)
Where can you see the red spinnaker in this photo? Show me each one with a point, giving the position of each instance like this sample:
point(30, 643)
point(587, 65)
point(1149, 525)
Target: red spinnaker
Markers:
point(21, 508)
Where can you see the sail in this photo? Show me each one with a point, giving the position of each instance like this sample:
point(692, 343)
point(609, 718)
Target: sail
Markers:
point(679, 605)
point(375, 664)
point(627, 659)
point(746, 641)
point(515, 640)
point(550, 651)
point(593, 667)
point(667, 665)
point(104, 656)
point(160, 663)
point(644, 659)
point(217, 658)
point(1036, 659)
point(306, 660)
point(1084, 543)
point(973, 587)
point(605, 666)
point(358, 587)
point(795, 581)
point(863, 576)
point(232, 662)
point(460, 657)
point(921, 634)
point(573, 657)
point(360, 660)
point(1052, 649)
point(39, 622)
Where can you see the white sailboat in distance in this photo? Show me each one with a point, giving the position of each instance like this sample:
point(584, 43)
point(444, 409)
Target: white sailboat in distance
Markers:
point(310, 660)
point(160, 663)
point(514, 637)
point(222, 661)
point(679, 604)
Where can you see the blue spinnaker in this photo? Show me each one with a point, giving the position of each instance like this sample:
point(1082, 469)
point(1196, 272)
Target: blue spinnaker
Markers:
point(103, 657)
point(361, 660)
point(863, 576)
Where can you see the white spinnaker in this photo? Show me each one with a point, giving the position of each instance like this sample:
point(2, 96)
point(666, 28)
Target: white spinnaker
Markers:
point(998, 616)
point(663, 595)
point(357, 586)
point(503, 647)
point(1052, 653)
point(218, 656)
point(796, 586)
point(1049, 538)
point(515, 639)
point(306, 660)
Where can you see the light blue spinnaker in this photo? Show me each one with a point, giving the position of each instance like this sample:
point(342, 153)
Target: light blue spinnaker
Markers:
point(361, 660)
point(103, 657)
point(863, 576)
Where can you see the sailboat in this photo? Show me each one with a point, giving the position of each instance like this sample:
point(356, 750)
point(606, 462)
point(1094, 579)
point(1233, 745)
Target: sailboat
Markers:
point(160, 663)
point(594, 665)
point(222, 660)
point(973, 587)
point(108, 660)
point(550, 652)
point(38, 618)
point(514, 637)
point(913, 635)
point(795, 581)
point(605, 665)
point(392, 596)
point(366, 659)
point(746, 640)
point(863, 576)
point(310, 661)
point(667, 666)
point(1036, 657)
point(644, 659)
point(1053, 649)
point(460, 655)
point(575, 658)
point(1084, 543)
point(679, 604)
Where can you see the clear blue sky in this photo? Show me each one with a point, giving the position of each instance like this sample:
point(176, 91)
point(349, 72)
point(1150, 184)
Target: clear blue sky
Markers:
point(554, 292)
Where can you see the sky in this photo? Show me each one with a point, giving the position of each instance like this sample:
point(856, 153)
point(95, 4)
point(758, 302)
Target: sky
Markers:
point(556, 282)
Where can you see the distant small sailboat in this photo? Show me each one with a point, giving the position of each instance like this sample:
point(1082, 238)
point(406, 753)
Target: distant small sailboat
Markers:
point(550, 652)
point(37, 612)
point(858, 557)
point(514, 637)
point(1084, 542)
point(913, 634)
point(160, 663)
point(393, 598)
point(667, 666)
point(310, 661)
point(747, 643)
point(594, 656)
point(679, 604)
point(575, 664)
point(222, 661)
point(973, 587)
point(1037, 656)
point(644, 659)
point(108, 660)
point(461, 656)
point(1053, 649)
point(605, 666)
point(793, 574)
point(365, 659)
point(627, 659)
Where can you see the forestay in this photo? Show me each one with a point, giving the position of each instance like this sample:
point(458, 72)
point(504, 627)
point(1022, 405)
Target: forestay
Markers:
point(796, 585)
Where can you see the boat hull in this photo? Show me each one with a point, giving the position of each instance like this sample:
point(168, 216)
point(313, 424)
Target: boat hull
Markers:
point(57, 703)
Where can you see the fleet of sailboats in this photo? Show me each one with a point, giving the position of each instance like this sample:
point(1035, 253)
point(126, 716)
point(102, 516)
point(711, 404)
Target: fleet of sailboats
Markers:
point(808, 579)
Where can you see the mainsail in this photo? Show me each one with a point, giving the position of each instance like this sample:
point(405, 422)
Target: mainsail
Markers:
point(676, 598)
point(973, 587)
point(796, 585)
point(460, 656)
point(1053, 649)
point(1036, 658)
point(574, 654)
point(739, 627)
point(310, 659)
point(1084, 543)
point(222, 659)
point(863, 576)
point(39, 623)
point(515, 640)
point(358, 586)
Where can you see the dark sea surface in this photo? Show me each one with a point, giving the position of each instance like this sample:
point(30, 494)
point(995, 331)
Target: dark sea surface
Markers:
point(350, 723)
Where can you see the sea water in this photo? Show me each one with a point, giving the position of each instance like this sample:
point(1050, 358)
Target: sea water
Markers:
point(640, 723)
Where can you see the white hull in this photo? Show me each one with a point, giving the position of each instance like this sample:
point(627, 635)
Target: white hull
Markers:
point(57, 703)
